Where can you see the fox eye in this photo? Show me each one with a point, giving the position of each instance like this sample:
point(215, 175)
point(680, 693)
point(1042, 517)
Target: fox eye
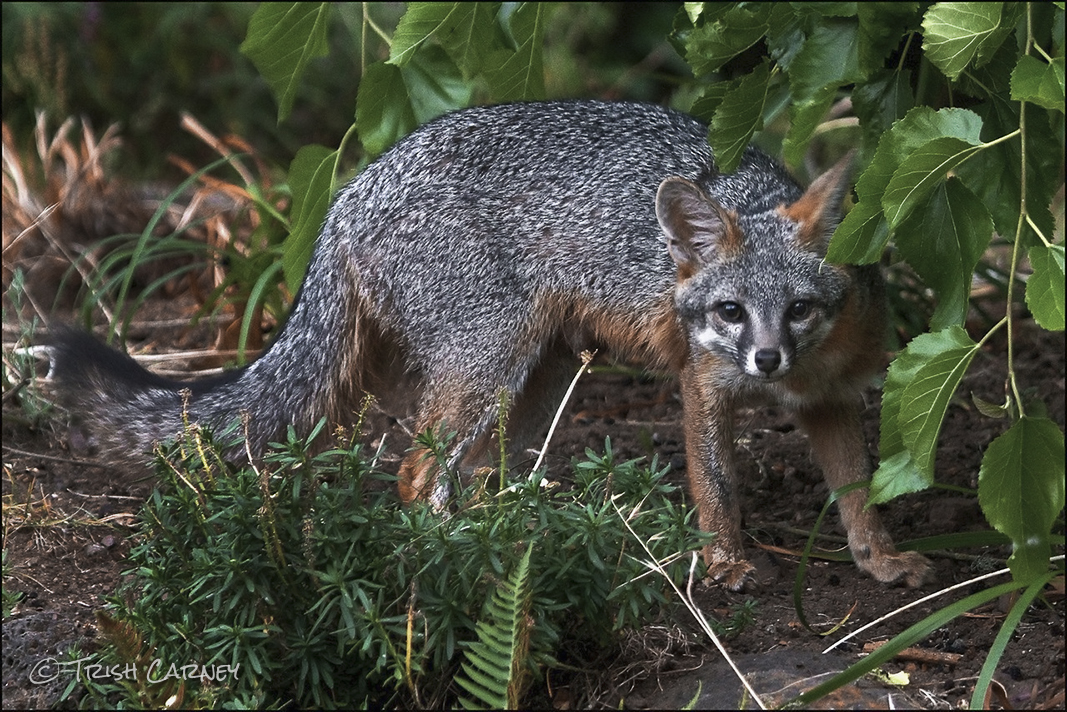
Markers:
point(799, 309)
point(730, 311)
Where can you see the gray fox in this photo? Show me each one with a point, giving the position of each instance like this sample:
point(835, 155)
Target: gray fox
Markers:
point(484, 250)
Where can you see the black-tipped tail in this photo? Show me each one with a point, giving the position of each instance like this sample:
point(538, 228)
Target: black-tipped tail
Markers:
point(124, 408)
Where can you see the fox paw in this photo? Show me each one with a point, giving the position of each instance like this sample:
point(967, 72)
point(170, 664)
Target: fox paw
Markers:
point(910, 567)
point(733, 575)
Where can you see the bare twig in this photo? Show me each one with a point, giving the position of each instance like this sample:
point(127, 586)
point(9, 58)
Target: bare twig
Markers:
point(587, 357)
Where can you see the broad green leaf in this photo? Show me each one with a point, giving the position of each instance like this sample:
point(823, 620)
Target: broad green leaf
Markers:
point(739, 115)
point(1044, 289)
point(282, 39)
point(693, 10)
point(861, 237)
point(829, 58)
point(785, 34)
point(804, 117)
point(943, 240)
point(906, 431)
point(896, 463)
point(826, 9)
point(468, 31)
point(926, 396)
point(520, 75)
point(1021, 490)
point(882, 24)
point(923, 124)
point(882, 100)
point(434, 84)
point(418, 23)
point(955, 34)
point(711, 45)
point(470, 35)
point(896, 475)
point(383, 110)
point(1039, 83)
point(993, 79)
point(919, 173)
point(994, 174)
point(686, 23)
point(920, 126)
point(311, 177)
point(393, 101)
point(709, 100)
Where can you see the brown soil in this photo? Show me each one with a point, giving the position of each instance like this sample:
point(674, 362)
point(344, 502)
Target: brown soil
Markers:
point(67, 531)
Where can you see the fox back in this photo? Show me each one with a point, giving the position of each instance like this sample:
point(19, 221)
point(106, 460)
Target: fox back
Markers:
point(481, 252)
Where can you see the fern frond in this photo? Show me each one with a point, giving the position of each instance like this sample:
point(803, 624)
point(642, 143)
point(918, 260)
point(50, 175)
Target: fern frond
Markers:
point(495, 671)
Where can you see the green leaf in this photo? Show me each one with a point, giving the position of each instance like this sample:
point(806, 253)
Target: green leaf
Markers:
point(738, 116)
point(955, 34)
point(1021, 491)
point(710, 99)
point(993, 79)
point(881, 26)
point(693, 10)
point(785, 34)
point(435, 85)
point(896, 475)
point(945, 356)
point(882, 100)
point(943, 240)
point(918, 386)
point(1044, 289)
point(383, 110)
point(827, 9)
point(829, 58)
point(862, 235)
point(311, 177)
point(419, 22)
point(1039, 83)
point(467, 31)
point(923, 124)
point(993, 410)
point(919, 173)
point(804, 118)
point(994, 174)
point(282, 39)
point(520, 75)
point(711, 45)
point(470, 34)
point(393, 101)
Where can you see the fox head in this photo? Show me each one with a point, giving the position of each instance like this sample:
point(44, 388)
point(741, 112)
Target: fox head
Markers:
point(754, 287)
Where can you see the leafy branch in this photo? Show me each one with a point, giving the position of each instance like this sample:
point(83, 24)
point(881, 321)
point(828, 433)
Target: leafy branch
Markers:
point(939, 182)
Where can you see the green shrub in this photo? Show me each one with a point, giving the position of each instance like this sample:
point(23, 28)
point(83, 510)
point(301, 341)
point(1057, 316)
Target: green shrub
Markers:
point(308, 574)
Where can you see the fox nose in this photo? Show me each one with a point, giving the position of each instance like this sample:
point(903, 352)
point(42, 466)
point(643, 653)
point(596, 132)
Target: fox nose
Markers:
point(768, 360)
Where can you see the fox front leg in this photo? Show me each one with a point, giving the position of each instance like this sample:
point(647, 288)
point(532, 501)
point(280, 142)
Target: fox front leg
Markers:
point(712, 479)
point(836, 438)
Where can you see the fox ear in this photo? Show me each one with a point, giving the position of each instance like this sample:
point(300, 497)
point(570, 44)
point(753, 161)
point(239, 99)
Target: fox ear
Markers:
point(698, 229)
point(818, 211)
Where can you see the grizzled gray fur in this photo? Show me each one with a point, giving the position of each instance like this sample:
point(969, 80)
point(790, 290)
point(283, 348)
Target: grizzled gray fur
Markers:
point(482, 252)
point(444, 239)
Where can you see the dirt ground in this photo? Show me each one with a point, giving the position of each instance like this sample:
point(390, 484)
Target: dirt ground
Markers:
point(67, 531)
